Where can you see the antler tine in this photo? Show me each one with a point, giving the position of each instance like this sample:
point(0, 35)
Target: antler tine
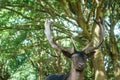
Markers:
point(51, 40)
point(101, 33)
point(101, 37)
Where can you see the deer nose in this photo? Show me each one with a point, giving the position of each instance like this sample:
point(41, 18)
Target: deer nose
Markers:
point(81, 64)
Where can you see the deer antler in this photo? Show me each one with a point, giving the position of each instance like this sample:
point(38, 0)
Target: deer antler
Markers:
point(101, 37)
point(51, 40)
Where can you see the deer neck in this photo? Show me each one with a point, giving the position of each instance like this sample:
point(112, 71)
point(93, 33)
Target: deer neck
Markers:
point(75, 75)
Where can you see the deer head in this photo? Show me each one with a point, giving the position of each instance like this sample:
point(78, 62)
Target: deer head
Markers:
point(78, 57)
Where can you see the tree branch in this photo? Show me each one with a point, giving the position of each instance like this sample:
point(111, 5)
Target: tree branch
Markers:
point(18, 13)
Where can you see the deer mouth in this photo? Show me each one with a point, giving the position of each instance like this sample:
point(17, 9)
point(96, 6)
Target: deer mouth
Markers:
point(79, 68)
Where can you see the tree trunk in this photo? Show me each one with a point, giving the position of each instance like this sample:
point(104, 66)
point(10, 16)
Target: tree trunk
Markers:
point(115, 52)
point(116, 68)
point(98, 64)
point(98, 60)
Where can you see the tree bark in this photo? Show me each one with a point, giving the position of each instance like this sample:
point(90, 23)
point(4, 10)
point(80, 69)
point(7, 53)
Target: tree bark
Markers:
point(98, 60)
point(115, 52)
point(98, 64)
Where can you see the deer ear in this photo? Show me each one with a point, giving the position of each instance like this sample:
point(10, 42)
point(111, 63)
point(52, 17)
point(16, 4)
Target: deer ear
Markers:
point(89, 55)
point(66, 54)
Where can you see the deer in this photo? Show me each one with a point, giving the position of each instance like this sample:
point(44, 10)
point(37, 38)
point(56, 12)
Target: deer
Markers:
point(78, 58)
